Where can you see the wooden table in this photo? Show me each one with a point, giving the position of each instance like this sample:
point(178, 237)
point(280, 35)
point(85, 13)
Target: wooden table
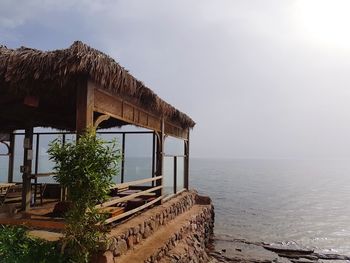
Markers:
point(4, 187)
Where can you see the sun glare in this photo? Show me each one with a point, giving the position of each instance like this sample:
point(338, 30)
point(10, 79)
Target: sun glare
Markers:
point(327, 22)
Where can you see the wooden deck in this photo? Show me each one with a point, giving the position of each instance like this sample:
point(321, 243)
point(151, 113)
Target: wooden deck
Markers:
point(37, 217)
point(44, 216)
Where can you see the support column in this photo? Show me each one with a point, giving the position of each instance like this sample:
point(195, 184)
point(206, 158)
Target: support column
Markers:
point(153, 156)
point(84, 107)
point(187, 160)
point(123, 159)
point(26, 169)
point(160, 159)
point(11, 158)
point(175, 174)
point(84, 118)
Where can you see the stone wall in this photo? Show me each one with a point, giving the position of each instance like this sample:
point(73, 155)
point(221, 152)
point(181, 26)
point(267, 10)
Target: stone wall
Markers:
point(189, 244)
point(193, 236)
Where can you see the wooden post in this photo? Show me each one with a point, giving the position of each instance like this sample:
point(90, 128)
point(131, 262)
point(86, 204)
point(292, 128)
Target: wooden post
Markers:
point(26, 169)
point(153, 156)
point(187, 160)
point(160, 158)
point(84, 107)
point(36, 166)
point(84, 118)
point(175, 174)
point(11, 158)
point(123, 159)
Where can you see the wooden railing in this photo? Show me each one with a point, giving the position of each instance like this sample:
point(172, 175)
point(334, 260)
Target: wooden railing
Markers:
point(133, 211)
point(65, 136)
point(37, 175)
point(120, 188)
point(125, 186)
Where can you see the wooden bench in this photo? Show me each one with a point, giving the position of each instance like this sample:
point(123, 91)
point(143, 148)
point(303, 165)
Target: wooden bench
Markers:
point(13, 194)
point(4, 189)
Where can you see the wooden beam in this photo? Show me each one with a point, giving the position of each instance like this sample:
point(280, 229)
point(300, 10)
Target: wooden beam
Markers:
point(160, 159)
point(125, 110)
point(27, 168)
point(11, 158)
point(8, 100)
point(84, 107)
point(187, 160)
point(175, 131)
point(120, 109)
point(17, 116)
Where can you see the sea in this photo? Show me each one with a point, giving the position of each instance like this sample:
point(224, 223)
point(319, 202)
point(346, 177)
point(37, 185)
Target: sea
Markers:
point(303, 203)
point(277, 201)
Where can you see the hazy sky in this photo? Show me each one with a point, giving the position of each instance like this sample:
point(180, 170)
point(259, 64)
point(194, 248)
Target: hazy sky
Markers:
point(262, 79)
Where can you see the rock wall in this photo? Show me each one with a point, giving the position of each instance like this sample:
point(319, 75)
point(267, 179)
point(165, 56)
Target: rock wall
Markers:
point(186, 244)
point(189, 245)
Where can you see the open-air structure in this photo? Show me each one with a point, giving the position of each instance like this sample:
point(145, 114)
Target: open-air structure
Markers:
point(70, 90)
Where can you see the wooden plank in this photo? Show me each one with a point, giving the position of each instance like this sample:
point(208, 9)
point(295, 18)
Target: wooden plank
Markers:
point(128, 112)
point(133, 211)
point(137, 182)
point(112, 211)
point(136, 115)
point(107, 103)
point(170, 129)
point(143, 118)
point(47, 224)
point(153, 122)
point(126, 198)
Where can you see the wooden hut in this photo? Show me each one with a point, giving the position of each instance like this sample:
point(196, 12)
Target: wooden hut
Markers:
point(72, 89)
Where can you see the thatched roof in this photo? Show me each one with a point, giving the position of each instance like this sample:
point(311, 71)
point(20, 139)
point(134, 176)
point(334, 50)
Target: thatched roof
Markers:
point(55, 74)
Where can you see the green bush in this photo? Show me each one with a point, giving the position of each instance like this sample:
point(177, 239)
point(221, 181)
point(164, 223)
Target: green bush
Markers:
point(85, 168)
point(17, 247)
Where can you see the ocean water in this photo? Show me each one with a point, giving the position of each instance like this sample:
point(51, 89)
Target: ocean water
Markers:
point(304, 202)
point(288, 201)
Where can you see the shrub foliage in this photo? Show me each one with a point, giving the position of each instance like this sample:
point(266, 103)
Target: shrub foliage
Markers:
point(85, 168)
point(17, 247)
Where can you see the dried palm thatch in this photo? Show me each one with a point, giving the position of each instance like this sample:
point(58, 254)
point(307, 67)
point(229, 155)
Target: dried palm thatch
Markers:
point(27, 71)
